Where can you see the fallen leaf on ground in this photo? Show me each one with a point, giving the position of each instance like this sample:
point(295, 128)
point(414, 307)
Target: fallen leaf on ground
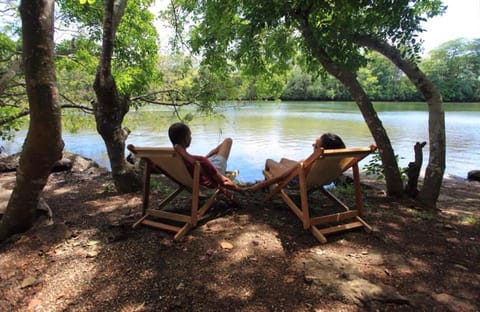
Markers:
point(226, 245)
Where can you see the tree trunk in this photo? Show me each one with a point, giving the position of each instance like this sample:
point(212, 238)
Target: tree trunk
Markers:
point(391, 171)
point(43, 144)
point(111, 107)
point(436, 118)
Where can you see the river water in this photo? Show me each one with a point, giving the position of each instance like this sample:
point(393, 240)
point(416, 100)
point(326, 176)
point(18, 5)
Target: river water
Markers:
point(262, 130)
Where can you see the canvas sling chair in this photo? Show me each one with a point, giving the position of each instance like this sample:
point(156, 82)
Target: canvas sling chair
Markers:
point(167, 161)
point(320, 169)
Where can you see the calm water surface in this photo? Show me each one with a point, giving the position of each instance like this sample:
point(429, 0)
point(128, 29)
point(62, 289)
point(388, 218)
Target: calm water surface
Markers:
point(287, 129)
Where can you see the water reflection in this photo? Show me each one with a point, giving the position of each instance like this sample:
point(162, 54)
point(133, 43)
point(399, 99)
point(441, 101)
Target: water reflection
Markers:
point(287, 129)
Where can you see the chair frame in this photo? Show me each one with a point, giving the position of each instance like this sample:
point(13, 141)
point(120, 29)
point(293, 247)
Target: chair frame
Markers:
point(168, 162)
point(319, 226)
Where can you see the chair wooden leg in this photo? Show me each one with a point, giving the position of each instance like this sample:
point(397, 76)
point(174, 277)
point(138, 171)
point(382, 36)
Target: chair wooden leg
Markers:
point(140, 221)
point(368, 228)
point(146, 186)
point(304, 198)
point(181, 233)
point(358, 191)
point(318, 235)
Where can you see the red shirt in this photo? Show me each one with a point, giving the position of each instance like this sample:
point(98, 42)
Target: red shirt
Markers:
point(206, 173)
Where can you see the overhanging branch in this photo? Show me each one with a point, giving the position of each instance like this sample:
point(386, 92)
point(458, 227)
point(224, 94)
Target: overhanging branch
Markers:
point(12, 118)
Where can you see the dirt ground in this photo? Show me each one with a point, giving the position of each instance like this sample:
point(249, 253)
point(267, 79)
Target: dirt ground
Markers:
point(250, 258)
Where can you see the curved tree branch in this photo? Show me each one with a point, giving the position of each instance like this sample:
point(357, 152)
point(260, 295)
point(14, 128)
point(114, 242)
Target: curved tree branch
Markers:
point(436, 118)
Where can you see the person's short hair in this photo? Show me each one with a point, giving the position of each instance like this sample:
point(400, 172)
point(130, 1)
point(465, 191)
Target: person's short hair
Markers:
point(178, 132)
point(331, 141)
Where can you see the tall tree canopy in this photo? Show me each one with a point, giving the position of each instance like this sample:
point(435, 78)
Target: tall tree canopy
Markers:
point(265, 36)
point(127, 60)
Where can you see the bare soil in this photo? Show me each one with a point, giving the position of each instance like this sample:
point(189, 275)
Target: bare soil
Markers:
point(250, 258)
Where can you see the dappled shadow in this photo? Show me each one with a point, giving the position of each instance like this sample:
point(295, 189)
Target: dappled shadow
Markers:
point(428, 254)
point(248, 258)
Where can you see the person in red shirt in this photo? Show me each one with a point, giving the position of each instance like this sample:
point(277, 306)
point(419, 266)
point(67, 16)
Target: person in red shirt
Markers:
point(213, 165)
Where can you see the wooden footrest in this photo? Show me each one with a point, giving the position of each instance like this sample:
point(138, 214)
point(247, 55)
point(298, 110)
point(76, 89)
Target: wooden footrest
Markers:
point(320, 233)
point(179, 231)
point(337, 217)
point(160, 225)
point(341, 227)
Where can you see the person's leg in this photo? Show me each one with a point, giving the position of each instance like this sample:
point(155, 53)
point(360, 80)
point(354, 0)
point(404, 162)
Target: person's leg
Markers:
point(225, 147)
point(270, 163)
point(288, 162)
point(219, 159)
point(275, 167)
point(219, 162)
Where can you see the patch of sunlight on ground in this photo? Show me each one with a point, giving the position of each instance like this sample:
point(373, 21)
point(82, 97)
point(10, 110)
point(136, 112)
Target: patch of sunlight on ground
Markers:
point(255, 241)
point(63, 190)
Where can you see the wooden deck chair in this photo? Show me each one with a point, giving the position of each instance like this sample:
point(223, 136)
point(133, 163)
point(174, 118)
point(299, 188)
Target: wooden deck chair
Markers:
point(321, 168)
point(170, 163)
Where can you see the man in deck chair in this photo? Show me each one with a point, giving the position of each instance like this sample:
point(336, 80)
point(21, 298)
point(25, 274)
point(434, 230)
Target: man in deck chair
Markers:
point(213, 165)
point(281, 169)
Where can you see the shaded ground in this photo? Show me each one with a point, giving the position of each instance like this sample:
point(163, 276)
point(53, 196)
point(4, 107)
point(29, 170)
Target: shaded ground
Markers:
point(253, 258)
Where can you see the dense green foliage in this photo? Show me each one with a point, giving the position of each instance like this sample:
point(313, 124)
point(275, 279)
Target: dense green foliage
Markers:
point(13, 97)
point(264, 37)
point(260, 41)
point(77, 48)
point(136, 44)
point(454, 67)
point(278, 72)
